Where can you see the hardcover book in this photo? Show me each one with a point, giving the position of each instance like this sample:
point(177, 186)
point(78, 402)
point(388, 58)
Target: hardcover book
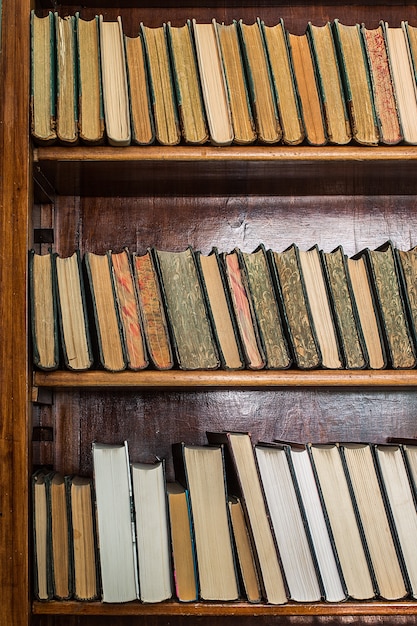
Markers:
point(60, 551)
point(67, 82)
point(141, 117)
point(42, 562)
point(407, 271)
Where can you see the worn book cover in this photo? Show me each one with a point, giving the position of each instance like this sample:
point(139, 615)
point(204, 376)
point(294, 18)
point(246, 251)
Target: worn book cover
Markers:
point(141, 116)
point(407, 272)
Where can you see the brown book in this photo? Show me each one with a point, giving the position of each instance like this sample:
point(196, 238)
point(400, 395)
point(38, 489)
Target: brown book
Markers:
point(380, 75)
point(213, 83)
point(330, 83)
point(66, 80)
point(283, 82)
point(129, 312)
point(407, 268)
point(167, 130)
point(140, 104)
point(42, 97)
point(155, 325)
point(187, 84)
point(307, 89)
point(42, 571)
point(90, 106)
point(60, 547)
point(240, 109)
point(358, 95)
point(262, 97)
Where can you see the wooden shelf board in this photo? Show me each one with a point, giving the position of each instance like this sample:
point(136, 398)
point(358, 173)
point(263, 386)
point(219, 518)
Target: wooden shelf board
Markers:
point(222, 378)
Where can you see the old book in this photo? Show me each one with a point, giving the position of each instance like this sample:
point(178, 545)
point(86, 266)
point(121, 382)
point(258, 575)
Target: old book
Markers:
point(42, 562)
point(390, 305)
point(105, 313)
point(283, 82)
point(213, 83)
point(330, 83)
point(374, 519)
point(319, 304)
point(243, 480)
point(83, 537)
point(115, 522)
point(398, 491)
point(291, 533)
point(187, 84)
point(43, 78)
point(385, 104)
point(44, 324)
point(114, 82)
point(155, 325)
point(407, 271)
point(266, 308)
point(129, 311)
point(66, 80)
point(182, 543)
point(201, 470)
point(152, 531)
point(356, 82)
point(338, 505)
point(307, 88)
point(244, 550)
point(141, 118)
point(60, 536)
point(192, 335)
point(244, 311)
point(290, 288)
point(244, 131)
point(403, 79)
point(164, 106)
point(345, 312)
point(220, 309)
point(321, 537)
point(367, 312)
point(72, 312)
point(261, 94)
point(90, 98)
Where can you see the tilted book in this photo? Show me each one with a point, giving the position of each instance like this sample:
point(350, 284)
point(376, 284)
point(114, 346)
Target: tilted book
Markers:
point(407, 272)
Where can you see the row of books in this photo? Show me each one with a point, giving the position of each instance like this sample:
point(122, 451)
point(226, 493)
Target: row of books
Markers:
point(224, 83)
point(267, 522)
point(263, 309)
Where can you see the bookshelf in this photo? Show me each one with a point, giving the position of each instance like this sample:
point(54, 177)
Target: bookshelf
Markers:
point(99, 198)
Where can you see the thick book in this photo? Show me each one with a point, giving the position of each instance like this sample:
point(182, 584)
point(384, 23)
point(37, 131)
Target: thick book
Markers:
point(407, 271)
point(41, 533)
point(43, 78)
point(375, 520)
point(283, 83)
point(192, 335)
point(161, 85)
point(66, 80)
point(307, 89)
point(398, 490)
point(384, 99)
point(201, 470)
point(266, 308)
point(330, 83)
point(90, 96)
point(244, 481)
point(184, 561)
point(290, 289)
point(403, 79)
point(339, 507)
point(356, 82)
point(291, 533)
point(141, 116)
point(244, 131)
point(105, 313)
point(72, 312)
point(115, 522)
point(220, 309)
point(129, 311)
point(151, 304)
point(187, 84)
point(114, 82)
point(367, 311)
point(323, 545)
point(342, 300)
point(43, 305)
point(213, 83)
point(394, 321)
point(152, 531)
point(262, 97)
point(244, 311)
point(60, 551)
point(83, 537)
